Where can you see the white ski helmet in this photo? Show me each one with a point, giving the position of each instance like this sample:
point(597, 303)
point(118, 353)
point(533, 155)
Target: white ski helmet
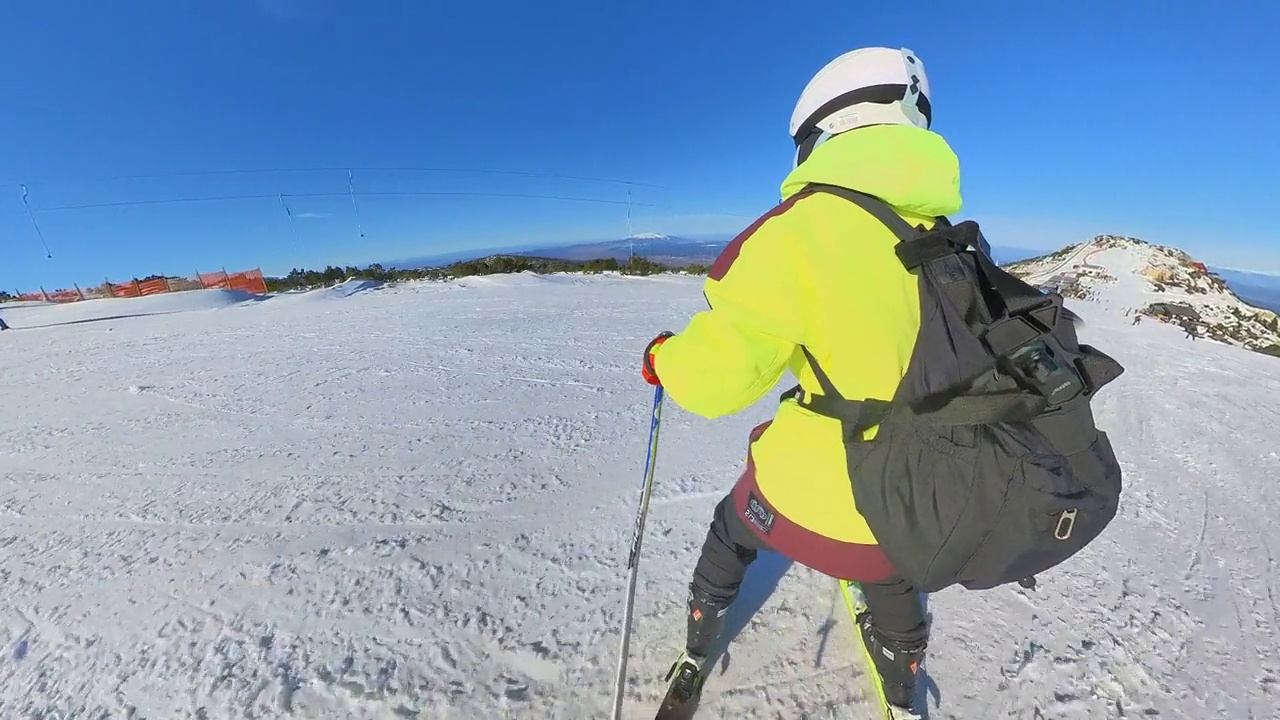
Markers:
point(868, 86)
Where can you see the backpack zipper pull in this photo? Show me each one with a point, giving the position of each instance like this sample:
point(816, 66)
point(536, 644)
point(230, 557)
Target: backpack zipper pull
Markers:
point(1066, 522)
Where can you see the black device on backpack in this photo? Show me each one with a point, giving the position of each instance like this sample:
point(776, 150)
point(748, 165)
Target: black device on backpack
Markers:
point(986, 466)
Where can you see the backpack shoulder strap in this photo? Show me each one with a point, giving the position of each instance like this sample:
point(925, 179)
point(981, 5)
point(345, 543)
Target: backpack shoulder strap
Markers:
point(874, 207)
point(1018, 313)
point(917, 247)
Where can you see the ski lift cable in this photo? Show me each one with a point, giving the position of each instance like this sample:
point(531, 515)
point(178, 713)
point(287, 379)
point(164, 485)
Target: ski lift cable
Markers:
point(409, 193)
point(267, 171)
point(31, 216)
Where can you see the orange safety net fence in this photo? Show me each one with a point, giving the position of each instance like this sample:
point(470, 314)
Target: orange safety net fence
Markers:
point(250, 281)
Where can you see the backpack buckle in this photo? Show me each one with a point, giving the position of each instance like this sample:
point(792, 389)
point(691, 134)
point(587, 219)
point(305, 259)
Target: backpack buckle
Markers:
point(1006, 336)
point(1039, 364)
point(1029, 353)
point(942, 240)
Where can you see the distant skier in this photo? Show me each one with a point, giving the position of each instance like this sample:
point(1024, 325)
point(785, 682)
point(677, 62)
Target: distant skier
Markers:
point(815, 287)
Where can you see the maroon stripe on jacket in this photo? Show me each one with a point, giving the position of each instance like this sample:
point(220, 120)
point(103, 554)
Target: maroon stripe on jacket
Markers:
point(844, 560)
point(730, 253)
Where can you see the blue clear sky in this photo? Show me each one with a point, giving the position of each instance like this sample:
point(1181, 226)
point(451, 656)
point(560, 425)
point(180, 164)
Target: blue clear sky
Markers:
point(1070, 119)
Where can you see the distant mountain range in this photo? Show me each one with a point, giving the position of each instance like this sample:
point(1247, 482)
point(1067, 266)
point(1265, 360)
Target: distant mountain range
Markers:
point(1255, 289)
point(665, 249)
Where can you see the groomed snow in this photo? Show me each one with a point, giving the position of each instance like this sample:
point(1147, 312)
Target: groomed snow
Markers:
point(45, 315)
point(417, 502)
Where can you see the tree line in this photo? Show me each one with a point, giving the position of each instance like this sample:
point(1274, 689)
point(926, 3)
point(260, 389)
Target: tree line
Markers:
point(301, 279)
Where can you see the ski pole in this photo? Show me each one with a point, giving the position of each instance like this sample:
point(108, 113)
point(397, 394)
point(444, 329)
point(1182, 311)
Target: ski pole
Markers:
point(633, 562)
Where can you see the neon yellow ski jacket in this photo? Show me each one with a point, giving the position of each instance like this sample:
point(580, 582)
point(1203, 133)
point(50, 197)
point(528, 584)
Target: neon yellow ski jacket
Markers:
point(816, 271)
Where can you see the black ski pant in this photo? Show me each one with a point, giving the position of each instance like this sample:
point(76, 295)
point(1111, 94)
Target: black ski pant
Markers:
point(731, 547)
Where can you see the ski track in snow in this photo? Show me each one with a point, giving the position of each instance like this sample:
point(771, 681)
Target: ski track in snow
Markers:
point(417, 502)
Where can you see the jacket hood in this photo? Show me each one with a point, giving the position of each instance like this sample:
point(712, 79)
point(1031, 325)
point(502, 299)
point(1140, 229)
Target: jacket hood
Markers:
point(911, 168)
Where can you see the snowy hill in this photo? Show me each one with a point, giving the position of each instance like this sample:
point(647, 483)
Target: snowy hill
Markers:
point(417, 501)
point(1134, 277)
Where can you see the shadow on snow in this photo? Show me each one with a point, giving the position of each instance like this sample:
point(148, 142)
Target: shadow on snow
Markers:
point(763, 576)
point(759, 585)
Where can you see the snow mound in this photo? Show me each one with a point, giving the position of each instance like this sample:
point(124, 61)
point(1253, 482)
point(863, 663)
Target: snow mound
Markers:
point(505, 280)
point(527, 278)
point(34, 315)
point(341, 291)
point(352, 287)
point(1139, 279)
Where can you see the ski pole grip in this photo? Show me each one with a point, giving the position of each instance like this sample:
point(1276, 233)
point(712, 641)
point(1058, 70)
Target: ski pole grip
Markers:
point(648, 349)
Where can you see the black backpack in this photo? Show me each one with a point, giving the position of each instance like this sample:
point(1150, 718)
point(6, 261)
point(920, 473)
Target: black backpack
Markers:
point(987, 467)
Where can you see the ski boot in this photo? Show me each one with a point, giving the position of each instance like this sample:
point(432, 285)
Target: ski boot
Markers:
point(897, 660)
point(688, 672)
point(705, 622)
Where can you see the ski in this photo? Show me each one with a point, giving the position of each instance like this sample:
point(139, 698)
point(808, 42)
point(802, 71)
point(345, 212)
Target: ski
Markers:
point(853, 600)
point(676, 708)
point(684, 690)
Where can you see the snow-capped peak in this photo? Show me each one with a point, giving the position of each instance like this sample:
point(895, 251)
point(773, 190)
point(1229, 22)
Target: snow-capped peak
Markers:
point(649, 236)
point(1153, 281)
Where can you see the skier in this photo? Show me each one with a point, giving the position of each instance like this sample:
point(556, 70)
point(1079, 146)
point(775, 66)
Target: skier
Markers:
point(815, 275)
point(3, 326)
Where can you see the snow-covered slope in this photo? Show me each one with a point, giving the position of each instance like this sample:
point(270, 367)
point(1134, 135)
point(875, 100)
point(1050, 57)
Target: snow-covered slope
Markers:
point(1131, 276)
point(34, 315)
point(420, 506)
